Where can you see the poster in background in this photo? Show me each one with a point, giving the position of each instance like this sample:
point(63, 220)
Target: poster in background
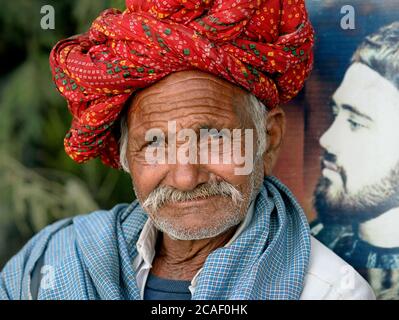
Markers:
point(341, 155)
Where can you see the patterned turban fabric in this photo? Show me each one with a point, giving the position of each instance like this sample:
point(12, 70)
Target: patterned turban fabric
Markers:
point(263, 46)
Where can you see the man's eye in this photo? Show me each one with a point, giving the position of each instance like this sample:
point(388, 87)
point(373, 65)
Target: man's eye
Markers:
point(354, 125)
point(156, 142)
point(215, 134)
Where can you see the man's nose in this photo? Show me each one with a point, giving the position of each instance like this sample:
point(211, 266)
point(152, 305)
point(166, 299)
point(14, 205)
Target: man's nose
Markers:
point(186, 177)
point(328, 141)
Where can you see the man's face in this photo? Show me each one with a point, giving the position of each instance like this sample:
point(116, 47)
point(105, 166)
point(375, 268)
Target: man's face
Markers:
point(197, 199)
point(360, 168)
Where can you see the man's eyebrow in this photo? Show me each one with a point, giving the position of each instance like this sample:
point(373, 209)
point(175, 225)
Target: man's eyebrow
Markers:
point(210, 126)
point(355, 111)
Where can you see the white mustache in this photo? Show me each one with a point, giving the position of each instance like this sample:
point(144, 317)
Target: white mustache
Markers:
point(164, 194)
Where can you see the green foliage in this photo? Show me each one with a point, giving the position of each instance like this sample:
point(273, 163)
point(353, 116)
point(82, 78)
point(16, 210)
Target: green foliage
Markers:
point(39, 183)
point(35, 196)
point(90, 8)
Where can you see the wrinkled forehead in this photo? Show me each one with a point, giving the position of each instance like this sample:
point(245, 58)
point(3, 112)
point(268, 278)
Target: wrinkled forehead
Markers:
point(188, 90)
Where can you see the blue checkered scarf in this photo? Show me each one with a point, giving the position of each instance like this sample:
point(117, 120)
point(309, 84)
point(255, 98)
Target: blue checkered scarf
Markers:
point(90, 257)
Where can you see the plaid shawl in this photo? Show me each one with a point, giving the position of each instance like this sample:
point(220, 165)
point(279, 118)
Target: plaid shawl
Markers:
point(90, 257)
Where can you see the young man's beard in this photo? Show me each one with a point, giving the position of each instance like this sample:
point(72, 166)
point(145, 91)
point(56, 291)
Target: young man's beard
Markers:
point(354, 208)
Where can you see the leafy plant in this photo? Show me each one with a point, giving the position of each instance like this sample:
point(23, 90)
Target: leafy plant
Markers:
point(39, 183)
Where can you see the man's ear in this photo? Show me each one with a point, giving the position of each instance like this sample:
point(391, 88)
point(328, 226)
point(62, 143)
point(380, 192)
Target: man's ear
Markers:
point(275, 130)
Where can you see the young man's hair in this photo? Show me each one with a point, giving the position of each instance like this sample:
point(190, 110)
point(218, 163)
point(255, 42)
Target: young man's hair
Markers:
point(380, 52)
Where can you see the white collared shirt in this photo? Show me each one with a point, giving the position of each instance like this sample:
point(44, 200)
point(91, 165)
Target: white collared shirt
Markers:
point(328, 276)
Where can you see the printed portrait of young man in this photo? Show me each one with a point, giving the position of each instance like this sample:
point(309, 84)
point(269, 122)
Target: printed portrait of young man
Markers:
point(357, 195)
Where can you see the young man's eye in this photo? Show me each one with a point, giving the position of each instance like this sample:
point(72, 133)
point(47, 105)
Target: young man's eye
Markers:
point(354, 125)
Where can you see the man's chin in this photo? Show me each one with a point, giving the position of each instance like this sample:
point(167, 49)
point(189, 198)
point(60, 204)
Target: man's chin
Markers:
point(333, 208)
point(328, 204)
point(189, 233)
point(193, 225)
point(337, 205)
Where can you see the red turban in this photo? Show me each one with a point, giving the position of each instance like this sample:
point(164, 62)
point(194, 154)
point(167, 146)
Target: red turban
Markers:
point(264, 46)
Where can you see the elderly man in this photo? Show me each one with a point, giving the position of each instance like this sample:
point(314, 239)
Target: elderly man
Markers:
point(209, 226)
point(359, 185)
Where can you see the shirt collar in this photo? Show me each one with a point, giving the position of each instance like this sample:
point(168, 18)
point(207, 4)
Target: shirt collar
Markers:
point(147, 241)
